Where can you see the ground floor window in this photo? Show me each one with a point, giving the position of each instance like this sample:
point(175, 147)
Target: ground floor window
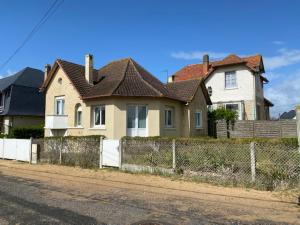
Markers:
point(169, 114)
point(78, 116)
point(99, 116)
point(198, 119)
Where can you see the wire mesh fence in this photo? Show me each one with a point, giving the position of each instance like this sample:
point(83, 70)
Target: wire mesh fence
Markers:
point(71, 151)
point(264, 164)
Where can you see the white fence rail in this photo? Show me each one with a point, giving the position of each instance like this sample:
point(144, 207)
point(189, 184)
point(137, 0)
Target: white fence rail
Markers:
point(16, 149)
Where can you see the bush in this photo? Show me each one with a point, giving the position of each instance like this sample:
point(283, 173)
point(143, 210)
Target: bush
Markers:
point(26, 132)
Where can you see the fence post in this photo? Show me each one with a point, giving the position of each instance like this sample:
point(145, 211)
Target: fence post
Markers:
point(30, 150)
point(298, 124)
point(60, 150)
point(174, 153)
point(120, 153)
point(253, 161)
point(3, 146)
point(100, 152)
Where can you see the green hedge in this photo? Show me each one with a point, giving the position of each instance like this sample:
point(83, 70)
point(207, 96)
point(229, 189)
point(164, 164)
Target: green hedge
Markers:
point(26, 132)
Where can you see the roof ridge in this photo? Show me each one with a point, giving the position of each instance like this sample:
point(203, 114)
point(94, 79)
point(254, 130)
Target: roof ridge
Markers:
point(123, 77)
point(134, 66)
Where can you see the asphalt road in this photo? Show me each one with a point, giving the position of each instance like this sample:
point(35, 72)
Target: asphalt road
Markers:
point(28, 197)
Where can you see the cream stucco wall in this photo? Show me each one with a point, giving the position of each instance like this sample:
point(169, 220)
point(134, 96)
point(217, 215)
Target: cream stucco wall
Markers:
point(116, 112)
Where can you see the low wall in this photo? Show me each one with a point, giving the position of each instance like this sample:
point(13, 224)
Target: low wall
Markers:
point(258, 129)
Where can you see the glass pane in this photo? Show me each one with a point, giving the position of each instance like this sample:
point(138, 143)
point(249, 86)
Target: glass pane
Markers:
point(131, 117)
point(103, 115)
point(169, 118)
point(62, 107)
point(58, 107)
point(197, 119)
point(97, 116)
point(142, 115)
point(79, 118)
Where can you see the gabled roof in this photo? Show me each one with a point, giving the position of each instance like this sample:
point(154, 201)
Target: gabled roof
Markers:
point(188, 88)
point(268, 102)
point(28, 77)
point(254, 63)
point(123, 77)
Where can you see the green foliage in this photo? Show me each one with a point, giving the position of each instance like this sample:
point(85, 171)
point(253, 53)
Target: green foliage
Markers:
point(223, 114)
point(26, 132)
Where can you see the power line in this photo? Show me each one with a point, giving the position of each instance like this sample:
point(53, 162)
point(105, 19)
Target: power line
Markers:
point(51, 10)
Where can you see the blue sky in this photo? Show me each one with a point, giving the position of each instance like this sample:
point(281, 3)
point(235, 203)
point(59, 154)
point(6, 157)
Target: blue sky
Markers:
point(160, 35)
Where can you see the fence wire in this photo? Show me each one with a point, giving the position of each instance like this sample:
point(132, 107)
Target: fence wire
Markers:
point(275, 164)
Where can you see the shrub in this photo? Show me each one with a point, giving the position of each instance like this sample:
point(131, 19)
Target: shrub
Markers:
point(26, 132)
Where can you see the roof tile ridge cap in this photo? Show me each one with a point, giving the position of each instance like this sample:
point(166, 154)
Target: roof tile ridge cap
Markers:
point(133, 63)
point(124, 73)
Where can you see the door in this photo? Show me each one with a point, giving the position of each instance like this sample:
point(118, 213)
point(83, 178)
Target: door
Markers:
point(137, 120)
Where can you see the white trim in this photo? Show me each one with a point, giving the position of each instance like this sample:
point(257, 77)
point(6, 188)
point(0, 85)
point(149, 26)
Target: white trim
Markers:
point(101, 108)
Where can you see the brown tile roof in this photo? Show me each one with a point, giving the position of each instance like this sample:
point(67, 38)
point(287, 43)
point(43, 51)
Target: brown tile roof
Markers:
point(124, 77)
point(196, 70)
point(187, 89)
point(268, 103)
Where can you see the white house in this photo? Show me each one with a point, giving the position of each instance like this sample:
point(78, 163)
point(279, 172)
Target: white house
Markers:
point(235, 83)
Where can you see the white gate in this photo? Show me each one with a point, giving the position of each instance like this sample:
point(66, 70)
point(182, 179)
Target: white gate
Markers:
point(17, 149)
point(111, 154)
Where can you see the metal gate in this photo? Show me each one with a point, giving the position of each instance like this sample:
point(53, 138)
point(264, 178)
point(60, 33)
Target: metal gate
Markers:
point(111, 153)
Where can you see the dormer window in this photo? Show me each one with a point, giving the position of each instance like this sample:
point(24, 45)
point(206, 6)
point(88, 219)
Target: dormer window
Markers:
point(230, 80)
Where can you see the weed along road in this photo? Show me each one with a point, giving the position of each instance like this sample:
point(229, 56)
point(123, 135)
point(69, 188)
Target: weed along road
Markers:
point(47, 194)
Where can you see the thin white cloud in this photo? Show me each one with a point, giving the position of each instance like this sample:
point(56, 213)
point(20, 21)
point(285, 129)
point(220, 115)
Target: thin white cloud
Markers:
point(285, 95)
point(285, 57)
point(197, 55)
point(8, 73)
point(278, 42)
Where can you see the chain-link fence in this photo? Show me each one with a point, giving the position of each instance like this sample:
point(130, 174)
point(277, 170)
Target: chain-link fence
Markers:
point(265, 164)
point(71, 151)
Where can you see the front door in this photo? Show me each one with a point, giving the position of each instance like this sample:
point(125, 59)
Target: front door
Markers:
point(137, 120)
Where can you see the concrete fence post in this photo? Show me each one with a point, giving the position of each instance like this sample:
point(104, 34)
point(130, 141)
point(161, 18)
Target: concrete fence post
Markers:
point(60, 150)
point(100, 153)
point(253, 161)
point(298, 124)
point(3, 148)
point(34, 153)
point(120, 153)
point(174, 153)
point(30, 150)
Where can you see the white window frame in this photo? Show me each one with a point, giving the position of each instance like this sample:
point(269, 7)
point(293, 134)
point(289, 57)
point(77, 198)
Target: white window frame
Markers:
point(200, 125)
point(230, 73)
point(100, 125)
point(169, 109)
point(239, 111)
point(62, 109)
point(78, 109)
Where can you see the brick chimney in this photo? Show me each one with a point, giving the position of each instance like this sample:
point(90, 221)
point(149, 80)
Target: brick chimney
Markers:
point(205, 63)
point(46, 71)
point(89, 68)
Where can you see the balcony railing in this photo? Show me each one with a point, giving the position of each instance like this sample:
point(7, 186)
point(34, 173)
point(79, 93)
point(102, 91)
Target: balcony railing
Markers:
point(56, 122)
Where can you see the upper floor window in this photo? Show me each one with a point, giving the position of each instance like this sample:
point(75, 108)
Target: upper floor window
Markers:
point(230, 80)
point(78, 115)
point(99, 116)
point(198, 119)
point(169, 114)
point(60, 105)
point(2, 98)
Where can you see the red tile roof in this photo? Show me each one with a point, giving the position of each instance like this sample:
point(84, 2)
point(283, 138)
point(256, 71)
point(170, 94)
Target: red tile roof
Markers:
point(196, 70)
point(124, 77)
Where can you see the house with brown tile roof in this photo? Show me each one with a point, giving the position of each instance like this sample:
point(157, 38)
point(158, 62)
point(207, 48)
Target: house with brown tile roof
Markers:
point(121, 99)
point(236, 83)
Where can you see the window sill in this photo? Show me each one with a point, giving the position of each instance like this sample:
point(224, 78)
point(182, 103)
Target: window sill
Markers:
point(199, 128)
point(79, 127)
point(169, 128)
point(97, 128)
point(231, 88)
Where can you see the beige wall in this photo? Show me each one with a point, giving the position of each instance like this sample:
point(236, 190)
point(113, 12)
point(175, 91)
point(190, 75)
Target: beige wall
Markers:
point(116, 112)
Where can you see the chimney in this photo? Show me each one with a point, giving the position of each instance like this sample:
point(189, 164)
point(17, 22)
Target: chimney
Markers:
point(205, 63)
point(89, 68)
point(171, 79)
point(46, 71)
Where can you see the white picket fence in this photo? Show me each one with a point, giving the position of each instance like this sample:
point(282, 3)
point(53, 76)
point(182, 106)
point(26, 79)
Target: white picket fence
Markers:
point(16, 149)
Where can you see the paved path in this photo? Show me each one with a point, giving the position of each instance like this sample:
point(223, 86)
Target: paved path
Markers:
point(63, 195)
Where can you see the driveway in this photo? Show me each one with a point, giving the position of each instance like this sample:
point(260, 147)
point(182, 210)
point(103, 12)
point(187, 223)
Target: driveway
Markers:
point(47, 194)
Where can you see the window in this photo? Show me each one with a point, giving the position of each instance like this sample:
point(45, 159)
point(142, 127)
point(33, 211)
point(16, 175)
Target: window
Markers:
point(78, 115)
point(232, 107)
point(198, 119)
point(209, 90)
point(59, 105)
point(230, 80)
point(1, 99)
point(99, 116)
point(169, 117)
